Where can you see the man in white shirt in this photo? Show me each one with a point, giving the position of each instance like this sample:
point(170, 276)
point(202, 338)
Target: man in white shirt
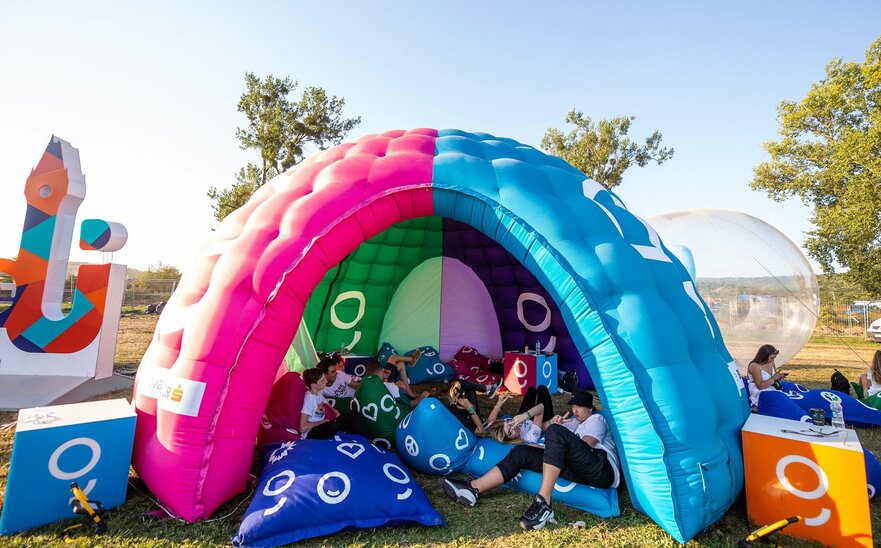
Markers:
point(339, 383)
point(580, 450)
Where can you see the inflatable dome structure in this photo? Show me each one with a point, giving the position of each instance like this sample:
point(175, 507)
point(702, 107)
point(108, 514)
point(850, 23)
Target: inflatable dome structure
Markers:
point(529, 241)
point(758, 284)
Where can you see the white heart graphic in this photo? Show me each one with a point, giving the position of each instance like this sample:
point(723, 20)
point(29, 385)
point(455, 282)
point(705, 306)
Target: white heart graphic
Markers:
point(462, 439)
point(350, 449)
point(366, 410)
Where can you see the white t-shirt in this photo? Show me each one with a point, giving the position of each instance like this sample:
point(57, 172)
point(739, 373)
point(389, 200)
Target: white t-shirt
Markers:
point(340, 387)
point(313, 406)
point(596, 427)
point(529, 431)
point(393, 389)
point(876, 386)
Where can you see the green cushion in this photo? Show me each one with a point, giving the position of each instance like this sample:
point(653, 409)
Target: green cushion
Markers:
point(380, 412)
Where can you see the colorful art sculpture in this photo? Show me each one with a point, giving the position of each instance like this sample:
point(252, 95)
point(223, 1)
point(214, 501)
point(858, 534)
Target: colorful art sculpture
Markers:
point(36, 338)
point(636, 322)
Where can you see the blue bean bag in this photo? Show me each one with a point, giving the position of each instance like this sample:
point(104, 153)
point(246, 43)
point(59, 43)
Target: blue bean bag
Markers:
point(778, 404)
point(602, 502)
point(855, 412)
point(430, 439)
point(311, 488)
point(428, 368)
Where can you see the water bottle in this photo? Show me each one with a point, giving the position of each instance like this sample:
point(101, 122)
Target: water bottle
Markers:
point(537, 347)
point(837, 413)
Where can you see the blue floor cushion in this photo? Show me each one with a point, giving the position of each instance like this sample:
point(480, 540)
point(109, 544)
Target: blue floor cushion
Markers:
point(310, 488)
point(602, 502)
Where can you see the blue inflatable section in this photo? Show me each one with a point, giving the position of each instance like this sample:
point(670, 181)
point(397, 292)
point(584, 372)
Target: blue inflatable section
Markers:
point(602, 502)
point(855, 412)
point(431, 440)
point(671, 389)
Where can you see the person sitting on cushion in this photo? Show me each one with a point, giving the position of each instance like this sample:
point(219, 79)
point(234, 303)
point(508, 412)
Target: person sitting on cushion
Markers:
point(533, 417)
point(763, 374)
point(313, 420)
point(395, 388)
point(339, 383)
point(580, 450)
point(870, 381)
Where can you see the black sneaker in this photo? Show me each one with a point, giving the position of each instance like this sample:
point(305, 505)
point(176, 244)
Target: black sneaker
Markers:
point(537, 515)
point(460, 491)
point(493, 389)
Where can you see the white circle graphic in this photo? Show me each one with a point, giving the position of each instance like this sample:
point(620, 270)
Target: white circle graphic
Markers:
point(289, 474)
point(62, 475)
point(345, 296)
point(536, 298)
point(821, 475)
point(334, 497)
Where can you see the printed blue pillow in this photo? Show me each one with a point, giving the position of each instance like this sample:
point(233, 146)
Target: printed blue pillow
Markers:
point(855, 412)
point(602, 502)
point(385, 352)
point(429, 367)
point(777, 404)
point(431, 440)
point(311, 488)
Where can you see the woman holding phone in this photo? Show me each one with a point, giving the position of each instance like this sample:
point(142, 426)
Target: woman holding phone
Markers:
point(762, 373)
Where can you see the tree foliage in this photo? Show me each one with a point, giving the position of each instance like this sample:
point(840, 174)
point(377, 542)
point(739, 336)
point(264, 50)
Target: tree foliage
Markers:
point(829, 155)
point(602, 149)
point(282, 131)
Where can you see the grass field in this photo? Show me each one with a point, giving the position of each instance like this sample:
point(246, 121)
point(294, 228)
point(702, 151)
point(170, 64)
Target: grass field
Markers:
point(493, 522)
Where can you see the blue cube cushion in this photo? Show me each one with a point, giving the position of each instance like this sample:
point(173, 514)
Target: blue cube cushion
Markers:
point(311, 488)
point(431, 440)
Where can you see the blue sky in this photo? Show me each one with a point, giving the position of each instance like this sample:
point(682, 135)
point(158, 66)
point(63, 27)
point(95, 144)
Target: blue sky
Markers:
point(147, 91)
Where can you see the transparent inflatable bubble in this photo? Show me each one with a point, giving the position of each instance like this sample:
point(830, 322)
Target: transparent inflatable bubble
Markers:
point(756, 281)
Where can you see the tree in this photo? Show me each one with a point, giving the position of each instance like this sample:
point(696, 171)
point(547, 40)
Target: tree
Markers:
point(602, 150)
point(829, 155)
point(282, 131)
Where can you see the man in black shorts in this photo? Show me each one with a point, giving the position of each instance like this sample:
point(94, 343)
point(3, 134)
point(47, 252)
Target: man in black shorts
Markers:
point(580, 450)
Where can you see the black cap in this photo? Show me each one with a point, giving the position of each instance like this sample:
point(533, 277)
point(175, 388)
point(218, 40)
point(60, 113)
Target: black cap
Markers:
point(582, 398)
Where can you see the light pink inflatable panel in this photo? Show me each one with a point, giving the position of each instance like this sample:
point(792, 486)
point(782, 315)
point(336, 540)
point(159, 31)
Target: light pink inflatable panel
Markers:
point(206, 377)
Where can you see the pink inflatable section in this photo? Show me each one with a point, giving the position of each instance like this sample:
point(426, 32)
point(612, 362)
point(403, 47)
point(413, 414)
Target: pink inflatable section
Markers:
point(205, 379)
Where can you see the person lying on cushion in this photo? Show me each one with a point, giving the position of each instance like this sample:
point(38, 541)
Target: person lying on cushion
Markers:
point(462, 403)
point(762, 374)
point(314, 423)
point(339, 383)
point(580, 450)
point(533, 417)
point(395, 388)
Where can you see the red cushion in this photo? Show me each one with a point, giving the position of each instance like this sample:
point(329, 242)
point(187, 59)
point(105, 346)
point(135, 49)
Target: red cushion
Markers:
point(472, 358)
point(281, 420)
point(473, 373)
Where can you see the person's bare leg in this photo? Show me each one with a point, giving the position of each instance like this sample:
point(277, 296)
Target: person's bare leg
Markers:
point(490, 480)
point(864, 382)
point(549, 475)
point(402, 372)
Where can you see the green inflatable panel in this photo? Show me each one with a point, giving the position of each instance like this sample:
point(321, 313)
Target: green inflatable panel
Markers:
point(380, 411)
point(414, 313)
point(349, 304)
